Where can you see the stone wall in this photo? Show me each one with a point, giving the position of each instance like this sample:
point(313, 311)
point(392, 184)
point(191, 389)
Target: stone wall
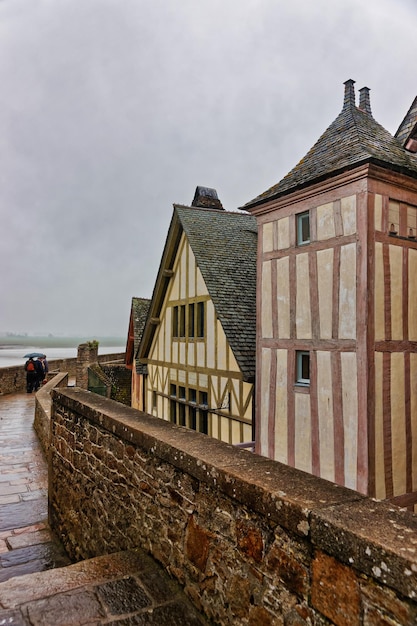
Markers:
point(251, 540)
point(13, 379)
point(121, 382)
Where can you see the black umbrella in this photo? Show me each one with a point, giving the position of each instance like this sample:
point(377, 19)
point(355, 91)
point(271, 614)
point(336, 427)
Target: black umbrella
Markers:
point(33, 355)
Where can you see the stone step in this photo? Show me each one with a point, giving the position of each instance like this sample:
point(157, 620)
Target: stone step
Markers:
point(126, 588)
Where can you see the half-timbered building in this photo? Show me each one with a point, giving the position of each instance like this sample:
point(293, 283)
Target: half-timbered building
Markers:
point(198, 343)
point(337, 307)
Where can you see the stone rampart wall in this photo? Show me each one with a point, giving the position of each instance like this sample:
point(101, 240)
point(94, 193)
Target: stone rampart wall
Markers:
point(43, 406)
point(251, 540)
point(13, 379)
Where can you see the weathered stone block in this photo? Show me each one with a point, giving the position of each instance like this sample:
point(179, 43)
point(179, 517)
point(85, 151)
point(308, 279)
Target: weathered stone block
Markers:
point(197, 544)
point(335, 591)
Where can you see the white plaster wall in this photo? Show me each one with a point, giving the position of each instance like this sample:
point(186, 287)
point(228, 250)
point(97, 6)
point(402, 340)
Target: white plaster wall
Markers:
point(380, 490)
point(347, 292)
point(413, 379)
point(211, 337)
point(350, 416)
point(283, 297)
point(283, 233)
point(303, 309)
point(266, 312)
point(396, 264)
point(221, 348)
point(281, 408)
point(264, 392)
point(348, 211)
point(267, 237)
point(325, 221)
point(325, 415)
point(325, 289)
point(303, 460)
point(378, 212)
point(398, 433)
point(379, 287)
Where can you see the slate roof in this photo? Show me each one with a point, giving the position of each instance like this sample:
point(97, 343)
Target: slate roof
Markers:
point(408, 125)
point(224, 245)
point(139, 314)
point(352, 139)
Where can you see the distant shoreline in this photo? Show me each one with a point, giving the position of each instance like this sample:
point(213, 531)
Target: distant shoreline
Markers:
point(8, 342)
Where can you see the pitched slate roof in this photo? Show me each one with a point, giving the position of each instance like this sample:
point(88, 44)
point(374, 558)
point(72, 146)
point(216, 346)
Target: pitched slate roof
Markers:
point(138, 314)
point(352, 139)
point(140, 308)
point(224, 245)
point(408, 126)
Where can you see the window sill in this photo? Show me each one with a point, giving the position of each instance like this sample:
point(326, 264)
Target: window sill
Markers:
point(301, 388)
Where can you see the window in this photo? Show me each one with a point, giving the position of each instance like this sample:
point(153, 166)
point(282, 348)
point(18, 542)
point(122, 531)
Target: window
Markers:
point(192, 396)
point(188, 321)
point(184, 410)
point(191, 320)
point(154, 400)
point(203, 413)
point(302, 368)
point(175, 321)
point(181, 414)
point(182, 321)
point(200, 319)
point(173, 404)
point(303, 228)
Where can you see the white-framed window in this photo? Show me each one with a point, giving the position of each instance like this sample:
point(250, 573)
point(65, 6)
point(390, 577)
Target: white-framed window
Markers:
point(302, 362)
point(303, 228)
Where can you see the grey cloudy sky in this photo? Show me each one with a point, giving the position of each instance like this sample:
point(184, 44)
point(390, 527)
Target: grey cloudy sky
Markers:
point(111, 110)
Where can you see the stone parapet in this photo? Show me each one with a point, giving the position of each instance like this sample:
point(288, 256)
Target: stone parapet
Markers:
point(42, 421)
point(13, 379)
point(252, 541)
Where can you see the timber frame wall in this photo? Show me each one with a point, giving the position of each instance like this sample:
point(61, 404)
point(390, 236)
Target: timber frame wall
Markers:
point(203, 368)
point(349, 299)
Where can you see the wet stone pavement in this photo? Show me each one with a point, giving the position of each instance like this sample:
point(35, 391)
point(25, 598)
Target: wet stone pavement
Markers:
point(38, 584)
point(26, 543)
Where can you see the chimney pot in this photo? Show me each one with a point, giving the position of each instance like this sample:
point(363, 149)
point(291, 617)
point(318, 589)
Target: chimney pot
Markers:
point(349, 99)
point(206, 198)
point(364, 100)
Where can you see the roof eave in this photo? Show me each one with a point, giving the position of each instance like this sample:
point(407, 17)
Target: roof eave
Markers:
point(325, 177)
point(161, 284)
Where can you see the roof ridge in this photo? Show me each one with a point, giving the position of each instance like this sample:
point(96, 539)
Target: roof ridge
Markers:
point(239, 212)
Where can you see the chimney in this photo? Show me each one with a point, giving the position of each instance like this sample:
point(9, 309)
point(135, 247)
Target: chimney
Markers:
point(349, 100)
point(365, 101)
point(206, 198)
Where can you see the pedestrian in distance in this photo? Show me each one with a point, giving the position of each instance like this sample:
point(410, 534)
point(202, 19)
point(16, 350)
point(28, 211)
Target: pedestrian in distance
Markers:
point(45, 368)
point(31, 375)
point(40, 373)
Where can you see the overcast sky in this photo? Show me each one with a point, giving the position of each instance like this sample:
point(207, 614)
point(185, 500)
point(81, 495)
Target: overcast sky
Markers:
point(112, 110)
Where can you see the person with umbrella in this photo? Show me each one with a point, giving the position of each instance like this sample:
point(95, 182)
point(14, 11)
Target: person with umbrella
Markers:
point(31, 375)
point(35, 371)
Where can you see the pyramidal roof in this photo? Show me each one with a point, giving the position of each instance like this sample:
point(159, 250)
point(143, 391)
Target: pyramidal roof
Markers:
point(354, 138)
